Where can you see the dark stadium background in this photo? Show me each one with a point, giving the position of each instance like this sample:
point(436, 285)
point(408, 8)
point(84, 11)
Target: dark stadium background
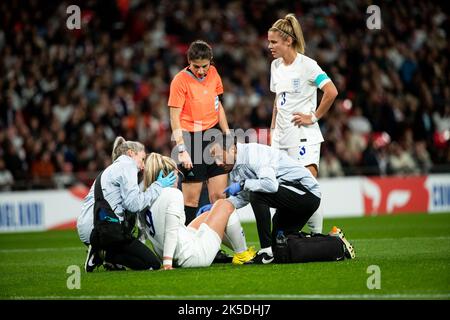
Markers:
point(66, 94)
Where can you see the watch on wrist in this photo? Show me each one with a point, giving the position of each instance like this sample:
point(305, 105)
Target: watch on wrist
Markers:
point(313, 117)
point(181, 147)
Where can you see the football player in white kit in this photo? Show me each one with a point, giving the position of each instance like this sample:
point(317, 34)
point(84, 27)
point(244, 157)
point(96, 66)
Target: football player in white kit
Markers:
point(294, 78)
point(195, 245)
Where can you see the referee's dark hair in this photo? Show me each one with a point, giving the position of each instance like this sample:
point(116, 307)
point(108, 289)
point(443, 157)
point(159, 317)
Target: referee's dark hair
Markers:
point(199, 50)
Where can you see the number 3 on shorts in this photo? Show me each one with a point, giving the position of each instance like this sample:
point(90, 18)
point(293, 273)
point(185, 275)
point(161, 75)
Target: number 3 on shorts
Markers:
point(283, 99)
point(302, 150)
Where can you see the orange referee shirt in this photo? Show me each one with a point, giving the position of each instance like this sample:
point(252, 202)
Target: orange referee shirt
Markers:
point(199, 99)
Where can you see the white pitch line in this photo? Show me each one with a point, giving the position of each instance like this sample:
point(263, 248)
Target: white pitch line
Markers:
point(246, 296)
point(41, 249)
point(25, 250)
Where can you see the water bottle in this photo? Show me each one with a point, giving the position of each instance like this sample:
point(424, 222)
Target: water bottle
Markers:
point(281, 252)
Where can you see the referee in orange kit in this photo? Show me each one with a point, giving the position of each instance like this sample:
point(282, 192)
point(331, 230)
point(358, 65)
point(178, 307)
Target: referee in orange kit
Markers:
point(195, 111)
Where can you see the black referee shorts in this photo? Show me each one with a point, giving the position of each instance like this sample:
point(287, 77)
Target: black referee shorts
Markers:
point(204, 166)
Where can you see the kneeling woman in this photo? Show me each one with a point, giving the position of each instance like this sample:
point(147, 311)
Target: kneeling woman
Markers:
point(110, 209)
point(195, 245)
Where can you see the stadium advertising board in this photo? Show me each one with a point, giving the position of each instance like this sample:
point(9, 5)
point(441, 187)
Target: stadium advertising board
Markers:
point(439, 189)
point(395, 195)
point(38, 210)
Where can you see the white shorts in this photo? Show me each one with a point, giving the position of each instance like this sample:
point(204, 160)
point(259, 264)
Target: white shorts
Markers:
point(84, 232)
point(85, 224)
point(198, 248)
point(305, 154)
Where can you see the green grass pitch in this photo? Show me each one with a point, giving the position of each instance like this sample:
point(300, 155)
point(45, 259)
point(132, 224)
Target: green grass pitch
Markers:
point(411, 251)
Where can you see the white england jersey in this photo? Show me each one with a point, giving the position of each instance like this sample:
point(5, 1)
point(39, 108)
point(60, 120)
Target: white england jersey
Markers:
point(296, 86)
point(164, 226)
point(164, 222)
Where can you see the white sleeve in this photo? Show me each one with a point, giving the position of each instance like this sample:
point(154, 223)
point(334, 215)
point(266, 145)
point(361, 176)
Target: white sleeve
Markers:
point(173, 220)
point(133, 199)
point(272, 71)
point(260, 164)
point(266, 182)
point(317, 76)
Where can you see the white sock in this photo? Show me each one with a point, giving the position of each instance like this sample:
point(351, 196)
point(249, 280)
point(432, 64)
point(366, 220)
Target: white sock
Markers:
point(234, 236)
point(315, 223)
point(267, 250)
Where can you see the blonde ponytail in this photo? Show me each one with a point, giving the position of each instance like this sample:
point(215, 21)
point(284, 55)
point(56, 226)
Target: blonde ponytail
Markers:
point(154, 164)
point(121, 146)
point(290, 27)
point(116, 147)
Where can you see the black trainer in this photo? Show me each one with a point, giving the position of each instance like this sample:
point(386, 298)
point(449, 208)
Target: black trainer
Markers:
point(222, 257)
point(261, 258)
point(93, 260)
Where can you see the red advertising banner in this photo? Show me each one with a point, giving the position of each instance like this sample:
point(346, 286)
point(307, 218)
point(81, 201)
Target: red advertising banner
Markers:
point(392, 195)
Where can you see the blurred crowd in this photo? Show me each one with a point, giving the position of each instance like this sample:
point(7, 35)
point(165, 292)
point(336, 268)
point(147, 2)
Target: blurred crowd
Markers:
point(66, 94)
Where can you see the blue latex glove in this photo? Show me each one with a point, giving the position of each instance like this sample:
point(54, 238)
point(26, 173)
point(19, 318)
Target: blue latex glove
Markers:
point(204, 208)
point(168, 180)
point(233, 189)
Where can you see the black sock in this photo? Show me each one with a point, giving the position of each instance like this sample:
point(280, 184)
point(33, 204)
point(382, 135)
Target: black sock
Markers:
point(190, 213)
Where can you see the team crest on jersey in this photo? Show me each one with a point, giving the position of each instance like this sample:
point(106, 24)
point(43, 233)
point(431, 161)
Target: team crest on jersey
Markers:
point(296, 85)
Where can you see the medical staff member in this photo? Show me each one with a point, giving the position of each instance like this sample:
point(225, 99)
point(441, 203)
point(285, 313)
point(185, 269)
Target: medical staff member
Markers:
point(118, 185)
point(266, 178)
